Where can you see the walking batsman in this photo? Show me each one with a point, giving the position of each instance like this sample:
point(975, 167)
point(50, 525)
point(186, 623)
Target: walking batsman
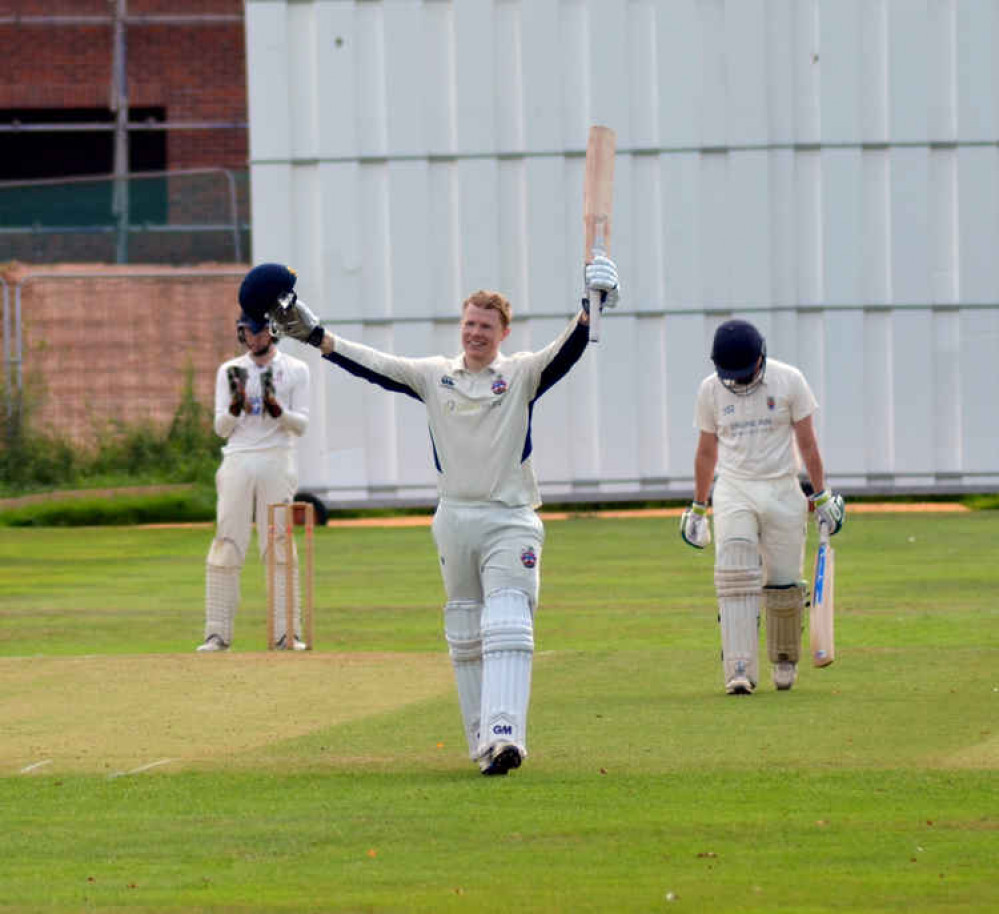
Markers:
point(488, 534)
point(261, 407)
point(754, 414)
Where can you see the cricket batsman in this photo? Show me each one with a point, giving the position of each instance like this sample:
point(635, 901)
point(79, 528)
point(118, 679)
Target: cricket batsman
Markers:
point(754, 416)
point(489, 537)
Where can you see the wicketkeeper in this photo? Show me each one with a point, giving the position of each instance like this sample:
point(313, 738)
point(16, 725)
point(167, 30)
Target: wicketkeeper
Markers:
point(755, 419)
point(489, 537)
point(261, 407)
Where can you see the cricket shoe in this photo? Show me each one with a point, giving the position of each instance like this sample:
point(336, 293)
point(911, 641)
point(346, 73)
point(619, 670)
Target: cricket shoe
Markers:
point(785, 673)
point(500, 758)
point(740, 684)
point(296, 644)
point(212, 643)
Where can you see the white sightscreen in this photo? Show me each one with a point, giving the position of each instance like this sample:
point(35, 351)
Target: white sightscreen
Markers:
point(826, 168)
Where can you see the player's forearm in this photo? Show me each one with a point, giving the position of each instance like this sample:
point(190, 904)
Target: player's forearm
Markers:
point(296, 423)
point(328, 343)
point(705, 462)
point(704, 474)
point(225, 424)
point(815, 469)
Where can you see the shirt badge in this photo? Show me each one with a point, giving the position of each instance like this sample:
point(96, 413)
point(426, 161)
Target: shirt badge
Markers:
point(499, 386)
point(528, 558)
point(771, 403)
point(447, 381)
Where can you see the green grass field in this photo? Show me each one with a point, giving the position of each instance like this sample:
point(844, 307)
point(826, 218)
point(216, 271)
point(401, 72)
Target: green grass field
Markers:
point(138, 776)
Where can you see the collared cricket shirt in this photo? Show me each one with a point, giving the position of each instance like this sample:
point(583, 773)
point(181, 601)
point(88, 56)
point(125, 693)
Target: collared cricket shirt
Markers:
point(755, 438)
point(480, 422)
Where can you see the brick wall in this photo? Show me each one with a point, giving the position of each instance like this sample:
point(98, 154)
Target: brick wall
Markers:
point(112, 346)
point(195, 72)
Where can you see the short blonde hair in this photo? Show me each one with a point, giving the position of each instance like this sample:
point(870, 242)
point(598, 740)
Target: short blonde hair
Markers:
point(490, 301)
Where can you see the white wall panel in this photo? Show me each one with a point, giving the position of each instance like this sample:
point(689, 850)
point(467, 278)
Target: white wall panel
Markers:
point(826, 168)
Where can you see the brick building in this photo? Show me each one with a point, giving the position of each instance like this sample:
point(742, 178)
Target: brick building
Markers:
point(185, 93)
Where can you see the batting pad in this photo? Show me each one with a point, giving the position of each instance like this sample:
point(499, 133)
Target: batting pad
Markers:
point(739, 585)
point(221, 600)
point(507, 654)
point(785, 608)
point(462, 628)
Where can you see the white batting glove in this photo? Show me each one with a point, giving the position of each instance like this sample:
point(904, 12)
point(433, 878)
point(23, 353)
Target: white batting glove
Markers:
point(600, 277)
point(831, 510)
point(695, 529)
point(295, 319)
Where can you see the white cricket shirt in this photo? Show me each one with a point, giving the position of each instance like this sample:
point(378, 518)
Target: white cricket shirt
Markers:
point(755, 438)
point(480, 422)
point(256, 430)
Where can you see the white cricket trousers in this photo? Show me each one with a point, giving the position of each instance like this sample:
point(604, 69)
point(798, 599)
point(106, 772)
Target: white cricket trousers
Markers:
point(771, 513)
point(246, 483)
point(485, 547)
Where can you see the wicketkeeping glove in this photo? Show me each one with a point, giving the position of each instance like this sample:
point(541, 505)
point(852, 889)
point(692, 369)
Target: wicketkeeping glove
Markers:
point(600, 279)
point(695, 529)
point(269, 395)
point(237, 388)
point(296, 320)
point(830, 509)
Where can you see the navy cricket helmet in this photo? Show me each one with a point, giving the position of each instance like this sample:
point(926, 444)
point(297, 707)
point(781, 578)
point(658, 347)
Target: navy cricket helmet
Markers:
point(737, 352)
point(263, 286)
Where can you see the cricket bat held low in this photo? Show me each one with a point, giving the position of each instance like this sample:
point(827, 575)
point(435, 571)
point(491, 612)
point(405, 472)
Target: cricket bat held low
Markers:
point(598, 206)
point(820, 618)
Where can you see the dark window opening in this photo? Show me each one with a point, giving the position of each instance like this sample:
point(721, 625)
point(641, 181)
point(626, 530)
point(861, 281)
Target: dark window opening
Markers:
point(38, 153)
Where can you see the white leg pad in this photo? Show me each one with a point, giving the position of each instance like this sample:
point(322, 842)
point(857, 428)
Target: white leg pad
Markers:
point(222, 589)
point(739, 585)
point(221, 601)
point(507, 656)
point(785, 608)
point(462, 628)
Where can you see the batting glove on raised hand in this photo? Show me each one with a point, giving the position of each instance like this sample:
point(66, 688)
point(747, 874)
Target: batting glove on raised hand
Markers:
point(831, 510)
point(237, 389)
point(295, 319)
point(600, 277)
point(695, 529)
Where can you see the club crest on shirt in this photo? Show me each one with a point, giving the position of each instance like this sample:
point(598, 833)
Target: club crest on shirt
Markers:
point(447, 381)
point(528, 558)
point(499, 386)
point(771, 403)
point(728, 411)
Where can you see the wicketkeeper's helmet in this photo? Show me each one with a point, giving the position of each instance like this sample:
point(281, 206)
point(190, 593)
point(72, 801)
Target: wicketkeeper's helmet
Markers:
point(740, 356)
point(262, 287)
point(248, 322)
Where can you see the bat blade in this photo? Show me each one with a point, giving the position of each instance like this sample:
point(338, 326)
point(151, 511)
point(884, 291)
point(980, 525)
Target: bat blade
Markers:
point(598, 203)
point(820, 621)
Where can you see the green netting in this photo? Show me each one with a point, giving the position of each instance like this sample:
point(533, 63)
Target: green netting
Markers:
point(181, 218)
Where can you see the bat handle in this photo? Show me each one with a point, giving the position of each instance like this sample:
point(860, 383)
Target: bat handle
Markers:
point(595, 296)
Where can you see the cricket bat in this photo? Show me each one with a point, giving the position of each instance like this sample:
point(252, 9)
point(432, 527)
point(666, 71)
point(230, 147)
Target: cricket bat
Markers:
point(598, 206)
point(820, 619)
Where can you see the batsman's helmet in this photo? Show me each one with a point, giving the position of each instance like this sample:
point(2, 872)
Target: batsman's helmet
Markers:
point(263, 286)
point(740, 356)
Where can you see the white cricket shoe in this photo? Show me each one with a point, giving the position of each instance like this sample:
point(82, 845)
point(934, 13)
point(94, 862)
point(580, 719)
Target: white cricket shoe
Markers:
point(296, 644)
point(740, 684)
point(212, 643)
point(500, 758)
point(785, 673)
